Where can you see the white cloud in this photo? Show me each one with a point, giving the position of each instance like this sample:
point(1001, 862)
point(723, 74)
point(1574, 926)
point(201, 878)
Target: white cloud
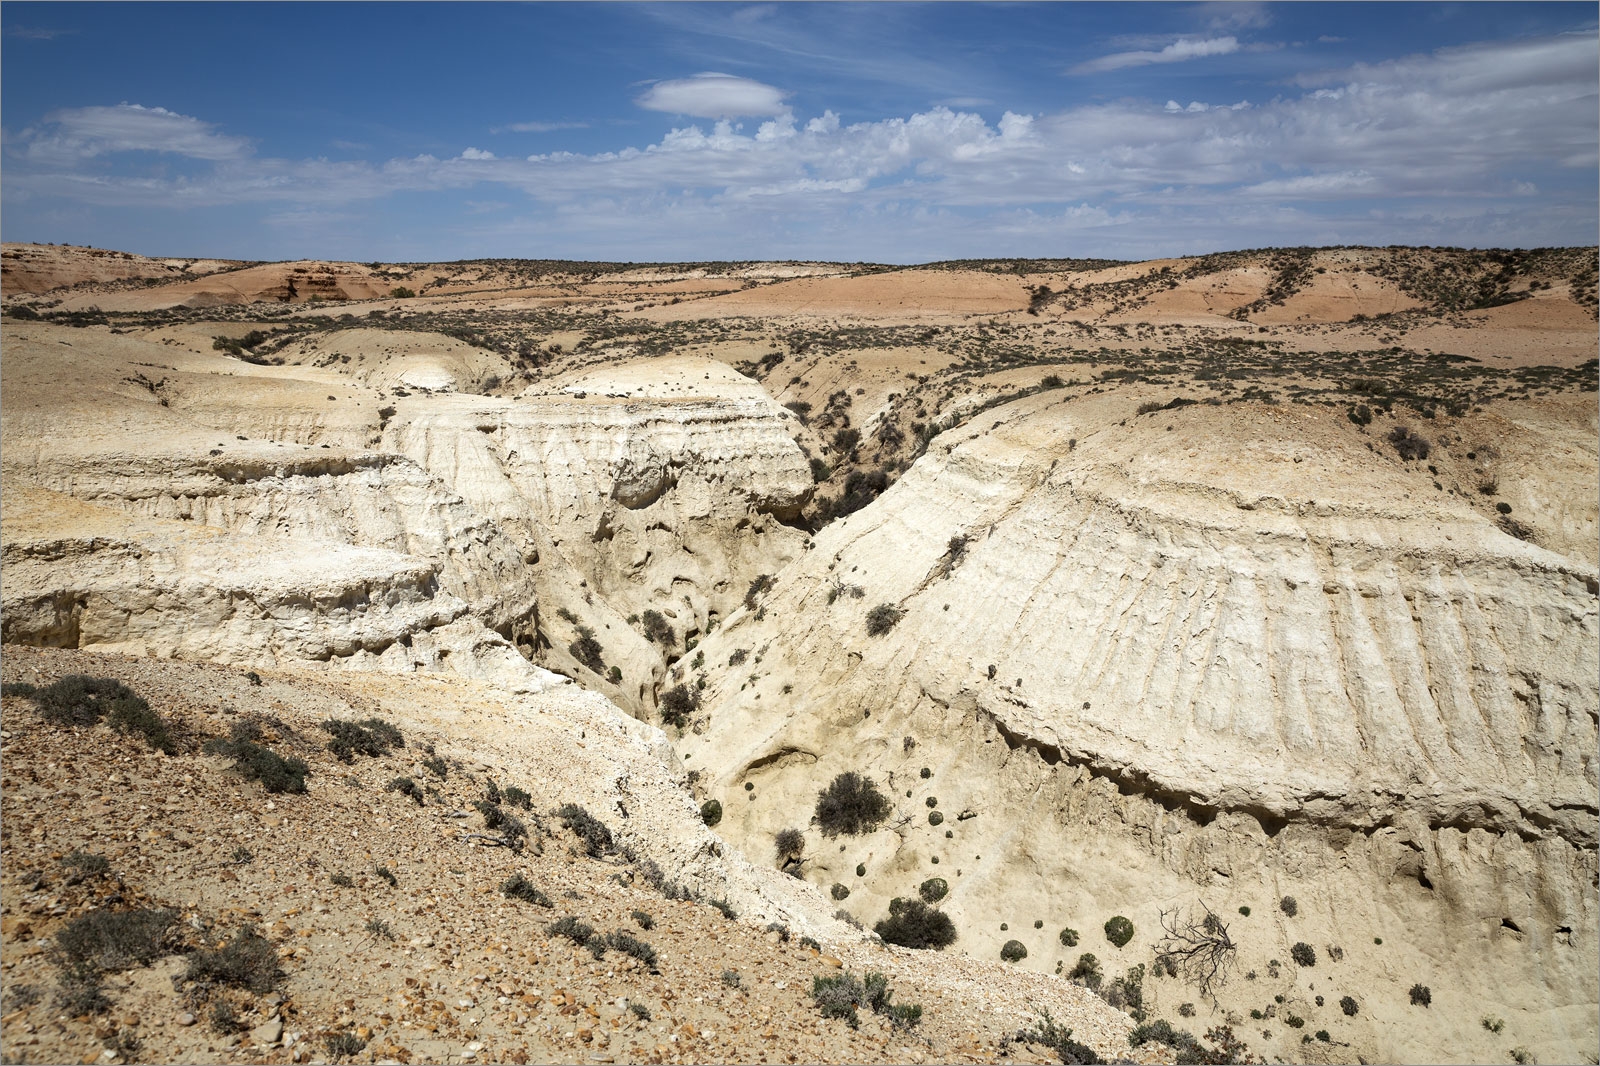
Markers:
point(86, 132)
point(713, 95)
point(1184, 48)
point(1475, 139)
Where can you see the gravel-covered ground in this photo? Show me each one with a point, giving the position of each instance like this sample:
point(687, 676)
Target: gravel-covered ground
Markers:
point(440, 965)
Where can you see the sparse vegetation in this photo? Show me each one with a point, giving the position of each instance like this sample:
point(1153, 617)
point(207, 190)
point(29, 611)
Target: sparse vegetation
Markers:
point(913, 924)
point(677, 705)
point(882, 618)
point(1421, 995)
point(520, 888)
point(590, 830)
point(81, 701)
point(258, 762)
point(851, 805)
point(248, 960)
point(1047, 1031)
point(371, 737)
point(842, 995)
point(1119, 930)
point(1013, 951)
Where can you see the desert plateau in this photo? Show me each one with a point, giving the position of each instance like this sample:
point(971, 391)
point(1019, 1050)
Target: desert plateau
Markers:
point(781, 533)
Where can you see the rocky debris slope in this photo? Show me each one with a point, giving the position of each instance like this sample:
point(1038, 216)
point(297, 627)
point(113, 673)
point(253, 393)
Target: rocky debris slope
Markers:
point(386, 917)
point(1117, 664)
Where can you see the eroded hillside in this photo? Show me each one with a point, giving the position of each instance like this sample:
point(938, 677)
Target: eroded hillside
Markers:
point(1137, 589)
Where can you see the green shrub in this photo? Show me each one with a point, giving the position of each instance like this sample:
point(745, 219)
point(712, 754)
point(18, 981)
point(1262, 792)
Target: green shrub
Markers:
point(1494, 1025)
point(519, 887)
point(1421, 995)
point(1119, 930)
point(436, 766)
point(247, 961)
point(838, 996)
point(1294, 1021)
point(913, 924)
point(851, 805)
point(1303, 954)
point(372, 737)
point(1013, 951)
point(725, 908)
point(387, 874)
point(80, 700)
point(1322, 1035)
point(935, 818)
point(711, 812)
point(657, 629)
point(517, 797)
point(1069, 938)
point(882, 618)
point(677, 704)
point(260, 763)
point(933, 889)
point(587, 650)
point(1244, 911)
point(1350, 1007)
point(731, 979)
point(400, 292)
point(1288, 905)
point(644, 920)
point(1161, 1031)
point(1087, 970)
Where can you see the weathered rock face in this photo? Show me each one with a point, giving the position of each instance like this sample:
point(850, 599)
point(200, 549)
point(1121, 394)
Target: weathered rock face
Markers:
point(670, 494)
point(1214, 663)
point(172, 589)
point(665, 488)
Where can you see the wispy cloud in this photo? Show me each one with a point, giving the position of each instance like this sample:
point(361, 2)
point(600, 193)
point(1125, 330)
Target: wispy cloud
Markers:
point(1184, 48)
point(36, 33)
point(1233, 15)
point(538, 127)
point(713, 95)
point(86, 132)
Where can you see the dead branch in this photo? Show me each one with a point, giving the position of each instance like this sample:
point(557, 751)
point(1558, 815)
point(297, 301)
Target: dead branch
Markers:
point(1197, 946)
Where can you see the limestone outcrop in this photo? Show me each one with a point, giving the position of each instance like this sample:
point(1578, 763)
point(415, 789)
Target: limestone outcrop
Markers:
point(1122, 663)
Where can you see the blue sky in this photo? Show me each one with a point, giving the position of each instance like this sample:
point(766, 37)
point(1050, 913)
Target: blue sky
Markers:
point(891, 132)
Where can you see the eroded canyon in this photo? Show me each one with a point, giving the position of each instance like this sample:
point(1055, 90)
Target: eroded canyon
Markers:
point(1263, 582)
